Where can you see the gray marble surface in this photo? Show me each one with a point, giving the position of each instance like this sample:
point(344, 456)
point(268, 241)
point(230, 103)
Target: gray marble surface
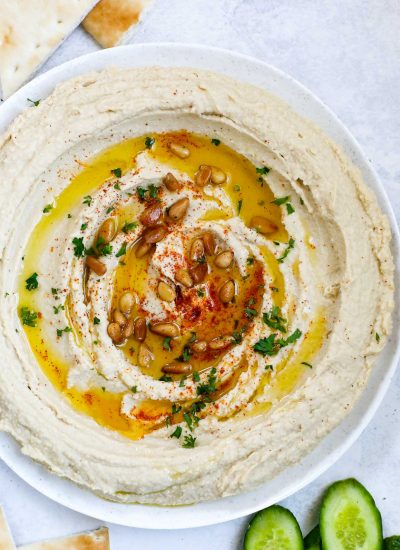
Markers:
point(348, 53)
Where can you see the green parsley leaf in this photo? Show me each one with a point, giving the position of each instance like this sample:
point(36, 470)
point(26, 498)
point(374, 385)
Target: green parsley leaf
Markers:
point(153, 191)
point(167, 343)
point(209, 387)
point(61, 330)
point(107, 249)
point(263, 170)
point(177, 433)
point(189, 441)
point(290, 339)
point(289, 208)
point(200, 293)
point(239, 205)
point(34, 102)
point(57, 309)
point(287, 250)
point(176, 408)
point(134, 389)
point(149, 142)
point(47, 208)
point(189, 420)
point(141, 193)
point(269, 367)
point(236, 188)
point(109, 210)
point(129, 226)
point(96, 321)
point(28, 317)
point(79, 247)
point(117, 172)
point(196, 376)
point(274, 319)
point(250, 260)
point(117, 187)
point(274, 288)
point(121, 251)
point(250, 313)
point(215, 141)
point(165, 378)
point(32, 282)
point(84, 226)
point(266, 346)
point(377, 337)
point(55, 291)
point(281, 200)
point(87, 200)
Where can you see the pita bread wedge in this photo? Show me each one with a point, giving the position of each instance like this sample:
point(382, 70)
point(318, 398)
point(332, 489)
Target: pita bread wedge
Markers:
point(6, 540)
point(112, 22)
point(90, 540)
point(30, 30)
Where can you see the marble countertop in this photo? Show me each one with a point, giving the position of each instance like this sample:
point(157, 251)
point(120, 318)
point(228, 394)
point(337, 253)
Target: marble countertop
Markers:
point(348, 54)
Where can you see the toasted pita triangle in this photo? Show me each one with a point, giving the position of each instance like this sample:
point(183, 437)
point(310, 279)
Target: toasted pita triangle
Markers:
point(91, 540)
point(111, 21)
point(6, 540)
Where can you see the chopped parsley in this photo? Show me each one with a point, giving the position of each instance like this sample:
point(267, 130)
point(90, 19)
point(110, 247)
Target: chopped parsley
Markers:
point(250, 260)
point(196, 376)
point(289, 208)
point(263, 170)
point(129, 226)
point(192, 338)
point(274, 319)
point(185, 355)
point(287, 250)
point(149, 142)
point(215, 141)
point(239, 205)
point(57, 309)
point(200, 293)
point(236, 188)
point(237, 335)
point(60, 331)
point(189, 441)
point(208, 387)
point(55, 291)
point(121, 251)
point(153, 191)
point(117, 187)
point(306, 364)
point(165, 378)
point(377, 337)
point(177, 433)
point(274, 288)
point(87, 200)
point(96, 321)
point(117, 172)
point(269, 367)
point(109, 210)
point(32, 282)
point(34, 102)
point(107, 249)
point(134, 389)
point(176, 408)
point(271, 346)
point(28, 317)
point(284, 200)
point(167, 343)
point(84, 226)
point(250, 313)
point(79, 247)
point(141, 193)
point(47, 208)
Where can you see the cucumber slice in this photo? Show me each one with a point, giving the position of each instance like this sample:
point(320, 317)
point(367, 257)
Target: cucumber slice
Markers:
point(349, 519)
point(274, 528)
point(313, 539)
point(392, 543)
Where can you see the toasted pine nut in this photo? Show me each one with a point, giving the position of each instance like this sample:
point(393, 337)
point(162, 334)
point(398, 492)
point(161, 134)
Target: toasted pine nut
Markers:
point(127, 331)
point(263, 225)
point(143, 248)
point(197, 250)
point(224, 259)
point(119, 317)
point(154, 234)
point(115, 333)
point(203, 175)
point(166, 292)
point(165, 329)
point(183, 277)
point(221, 342)
point(179, 150)
point(96, 265)
point(177, 368)
point(151, 215)
point(107, 230)
point(171, 183)
point(178, 210)
point(199, 347)
point(140, 329)
point(145, 357)
point(126, 302)
point(199, 272)
point(227, 292)
point(218, 176)
point(209, 243)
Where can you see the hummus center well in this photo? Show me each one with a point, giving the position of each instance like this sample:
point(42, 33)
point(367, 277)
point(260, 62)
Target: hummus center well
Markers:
point(124, 184)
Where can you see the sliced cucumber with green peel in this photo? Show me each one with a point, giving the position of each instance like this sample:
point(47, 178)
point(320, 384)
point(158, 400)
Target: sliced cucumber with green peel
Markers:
point(392, 543)
point(313, 539)
point(349, 518)
point(274, 528)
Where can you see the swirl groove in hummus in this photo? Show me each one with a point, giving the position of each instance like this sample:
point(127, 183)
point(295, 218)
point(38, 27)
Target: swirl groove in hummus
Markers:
point(205, 284)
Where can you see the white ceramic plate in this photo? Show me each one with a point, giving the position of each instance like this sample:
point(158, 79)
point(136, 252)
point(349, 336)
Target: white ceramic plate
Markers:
point(337, 442)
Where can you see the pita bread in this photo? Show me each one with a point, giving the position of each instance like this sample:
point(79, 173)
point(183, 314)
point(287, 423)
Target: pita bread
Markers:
point(6, 541)
point(91, 540)
point(111, 22)
point(30, 30)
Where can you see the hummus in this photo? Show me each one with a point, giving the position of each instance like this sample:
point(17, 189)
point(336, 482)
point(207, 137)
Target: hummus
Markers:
point(195, 284)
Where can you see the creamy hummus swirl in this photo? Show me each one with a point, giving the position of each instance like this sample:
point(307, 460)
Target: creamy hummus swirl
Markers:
point(295, 358)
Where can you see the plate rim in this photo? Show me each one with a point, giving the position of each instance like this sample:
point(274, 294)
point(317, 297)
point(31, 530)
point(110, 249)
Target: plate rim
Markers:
point(10, 451)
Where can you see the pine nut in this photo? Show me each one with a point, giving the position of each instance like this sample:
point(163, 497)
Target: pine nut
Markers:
point(178, 210)
point(143, 248)
point(263, 225)
point(199, 347)
point(203, 175)
point(171, 183)
point(199, 272)
point(155, 234)
point(128, 329)
point(140, 329)
point(107, 230)
point(224, 259)
point(126, 302)
point(165, 329)
point(197, 250)
point(96, 265)
point(210, 245)
point(119, 317)
point(177, 368)
point(219, 343)
point(217, 176)
point(114, 332)
point(151, 215)
point(179, 150)
point(183, 277)
point(227, 292)
point(166, 292)
point(145, 357)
